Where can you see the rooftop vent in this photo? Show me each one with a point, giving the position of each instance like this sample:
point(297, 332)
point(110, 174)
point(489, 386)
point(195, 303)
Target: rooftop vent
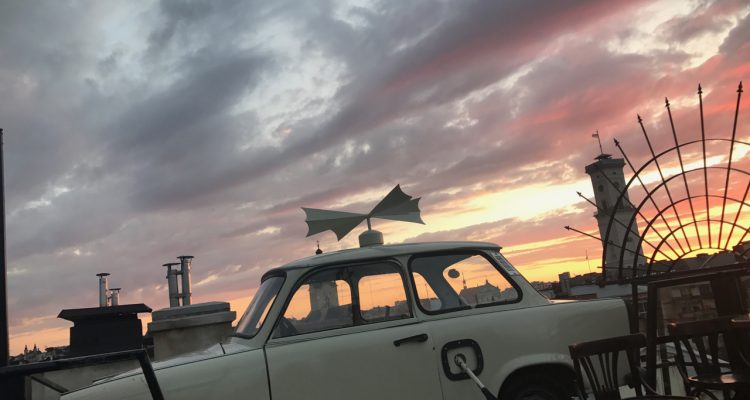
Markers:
point(175, 278)
point(103, 288)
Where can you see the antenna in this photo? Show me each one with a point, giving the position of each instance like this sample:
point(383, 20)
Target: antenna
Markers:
point(396, 206)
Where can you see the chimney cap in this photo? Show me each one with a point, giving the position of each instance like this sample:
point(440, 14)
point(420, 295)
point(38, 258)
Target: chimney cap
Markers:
point(103, 274)
point(115, 288)
point(185, 257)
point(170, 264)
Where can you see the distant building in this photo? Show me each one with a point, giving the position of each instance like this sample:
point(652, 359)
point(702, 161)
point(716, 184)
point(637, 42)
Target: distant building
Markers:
point(37, 355)
point(608, 181)
point(483, 294)
point(693, 302)
point(323, 295)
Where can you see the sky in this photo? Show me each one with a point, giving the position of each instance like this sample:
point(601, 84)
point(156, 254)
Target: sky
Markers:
point(139, 131)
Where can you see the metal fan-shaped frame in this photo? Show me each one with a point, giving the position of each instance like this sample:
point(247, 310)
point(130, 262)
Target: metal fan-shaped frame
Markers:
point(674, 239)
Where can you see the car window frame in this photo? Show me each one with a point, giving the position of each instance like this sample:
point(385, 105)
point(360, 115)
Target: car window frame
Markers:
point(265, 277)
point(362, 322)
point(481, 253)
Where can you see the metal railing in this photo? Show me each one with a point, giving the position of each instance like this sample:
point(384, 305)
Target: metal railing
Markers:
point(23, 370)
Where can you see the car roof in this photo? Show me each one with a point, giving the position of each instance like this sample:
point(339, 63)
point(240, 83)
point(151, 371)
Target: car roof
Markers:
point(380, 251)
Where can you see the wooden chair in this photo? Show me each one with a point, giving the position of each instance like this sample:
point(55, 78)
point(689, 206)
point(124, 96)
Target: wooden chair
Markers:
point(740, 328)
point(599, 360)
point(697, 348)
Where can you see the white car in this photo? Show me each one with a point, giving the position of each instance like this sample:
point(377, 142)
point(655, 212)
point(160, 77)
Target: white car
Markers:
point(385, 322)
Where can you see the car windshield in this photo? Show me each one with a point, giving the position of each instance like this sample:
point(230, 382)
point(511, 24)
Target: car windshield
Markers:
point(256, 312)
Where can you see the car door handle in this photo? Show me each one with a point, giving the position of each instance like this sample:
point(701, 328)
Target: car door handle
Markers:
point(416, 338)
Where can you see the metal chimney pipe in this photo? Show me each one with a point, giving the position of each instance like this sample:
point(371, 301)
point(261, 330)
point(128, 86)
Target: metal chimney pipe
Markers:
point(103, 287)
point(185, 263)
point(114, 296)
point(174, 294)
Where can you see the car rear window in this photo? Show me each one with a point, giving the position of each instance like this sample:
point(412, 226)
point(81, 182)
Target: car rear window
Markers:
point(450, 282)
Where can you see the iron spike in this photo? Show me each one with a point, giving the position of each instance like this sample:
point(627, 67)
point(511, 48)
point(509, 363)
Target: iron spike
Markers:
point(705, 170)
point(729, 163)
point(669, 195)
point(684, 179)
point(643, 186)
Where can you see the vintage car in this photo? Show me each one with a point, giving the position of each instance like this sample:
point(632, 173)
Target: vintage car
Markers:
point(386, 322)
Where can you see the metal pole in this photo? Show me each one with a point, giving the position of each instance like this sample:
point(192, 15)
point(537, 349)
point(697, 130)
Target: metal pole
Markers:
point(643, 185)
point(705, 170)
point(103, 288)
point(185, 262)
point(4, 342)
point(669, 193)
point(150, 375)
point(174, 294)
point(460, 361)
point(114, 297)
point(729, 167)
point(684, 176)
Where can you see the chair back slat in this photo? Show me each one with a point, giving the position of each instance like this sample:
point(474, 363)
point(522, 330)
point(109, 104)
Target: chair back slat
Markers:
point(700, 342)
point(599, 361)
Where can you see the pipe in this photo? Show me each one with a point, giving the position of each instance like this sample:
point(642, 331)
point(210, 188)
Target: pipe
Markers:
point(103, 287)
point(114, 297)
point(174, 295)
point(460, 361)
point(4, 337)
point(185, 263)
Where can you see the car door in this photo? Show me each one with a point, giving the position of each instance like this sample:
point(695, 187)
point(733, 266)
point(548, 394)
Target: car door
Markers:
point(465, 296)
point(349, 332)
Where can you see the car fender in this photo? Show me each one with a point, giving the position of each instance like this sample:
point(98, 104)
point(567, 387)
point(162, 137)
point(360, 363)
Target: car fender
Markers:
point(228, 376)
point(531, 360)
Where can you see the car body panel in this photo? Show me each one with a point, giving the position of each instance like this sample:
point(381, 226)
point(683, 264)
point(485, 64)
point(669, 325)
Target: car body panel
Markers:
point(363, 365)
point(361, 360)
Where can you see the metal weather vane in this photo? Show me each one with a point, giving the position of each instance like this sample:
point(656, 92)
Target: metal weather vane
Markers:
point(396, 206)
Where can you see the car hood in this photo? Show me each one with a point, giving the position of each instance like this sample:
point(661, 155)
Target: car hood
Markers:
point(214, 351)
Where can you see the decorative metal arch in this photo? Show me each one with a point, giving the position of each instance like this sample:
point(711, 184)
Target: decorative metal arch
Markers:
point(681, 236)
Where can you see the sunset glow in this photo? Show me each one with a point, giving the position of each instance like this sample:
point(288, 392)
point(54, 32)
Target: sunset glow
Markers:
point(136, 132)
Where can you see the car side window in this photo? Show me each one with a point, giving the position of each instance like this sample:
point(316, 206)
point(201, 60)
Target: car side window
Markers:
point(459, 281)
point(342, 297)
point(382, 296)
point(322, 302)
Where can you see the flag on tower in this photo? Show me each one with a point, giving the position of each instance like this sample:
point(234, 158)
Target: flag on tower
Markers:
point(596, 135)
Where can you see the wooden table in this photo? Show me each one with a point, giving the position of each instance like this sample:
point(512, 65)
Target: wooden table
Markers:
point(741, 322)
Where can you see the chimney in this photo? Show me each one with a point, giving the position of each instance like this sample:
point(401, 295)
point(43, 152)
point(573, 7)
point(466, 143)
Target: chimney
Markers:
point(174, 295)
point(185, 262)
point(114, 296)
point(103, 287)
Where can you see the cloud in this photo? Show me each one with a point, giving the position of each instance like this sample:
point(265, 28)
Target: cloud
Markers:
point(139, 132)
